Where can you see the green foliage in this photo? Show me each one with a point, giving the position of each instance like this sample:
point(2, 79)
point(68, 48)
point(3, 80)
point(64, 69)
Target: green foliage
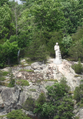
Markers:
point(6, 25)
point(78, 93)
point(42, 98)
point(37, 51)
point(48, 14)
point(29, 104)
point(2, 2)
point(78, 35)
point(78, 67)
point(12, 83)
point(27, 70)
point(2, 74)
point(76, 51)
point(8, 53)
point(12, 80)
point(59, 104)
point(17, 114)
point(51, 39)
point(66, 44)
point(5, 73)
point(22, 82)
point(33, 90)
point(73, 15)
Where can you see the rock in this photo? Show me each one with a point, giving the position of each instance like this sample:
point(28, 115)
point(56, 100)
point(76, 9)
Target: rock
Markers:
point(9, 98)
point(6, 69)
point(1, 102)
point(19, 75)
point(81, 113)
point(4, 117)
point(29, 113)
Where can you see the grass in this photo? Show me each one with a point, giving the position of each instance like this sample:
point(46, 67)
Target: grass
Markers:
point(29, 61)
point(2, 78)
point(77, 76)
point(23, 64)
point(5, 73)
point(26, 70)
point(33, 90)
point(22, 82)
point(2, 116)
point(3, 84)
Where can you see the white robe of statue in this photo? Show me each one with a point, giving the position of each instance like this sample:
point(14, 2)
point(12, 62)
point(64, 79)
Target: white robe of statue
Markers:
point(58, 59)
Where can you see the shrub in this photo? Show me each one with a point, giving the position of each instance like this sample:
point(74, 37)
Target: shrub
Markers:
point(12, 80)
point(41, 99)
point(76, 51)
point(17, 114)
point(78, 67)
point(29, 104)
point(27, 70)
point(66, 43)
point(2, 78)
point(37, 51)
point(22, 82)
point(78, 93)
point(33, 90)
point(5, 73)
point(58, 105)
point(12, 83)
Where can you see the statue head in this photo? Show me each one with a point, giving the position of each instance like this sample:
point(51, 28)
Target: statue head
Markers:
point(56, 43)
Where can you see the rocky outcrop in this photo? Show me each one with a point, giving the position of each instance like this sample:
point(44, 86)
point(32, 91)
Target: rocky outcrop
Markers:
point(14, 98)
point(39, 75)
point(9, 99)
point(41, 71)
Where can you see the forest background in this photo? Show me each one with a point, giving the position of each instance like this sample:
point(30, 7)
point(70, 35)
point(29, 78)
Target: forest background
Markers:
point(33, 28)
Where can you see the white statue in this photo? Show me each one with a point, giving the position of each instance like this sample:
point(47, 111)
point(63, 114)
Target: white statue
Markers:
point(58, 59)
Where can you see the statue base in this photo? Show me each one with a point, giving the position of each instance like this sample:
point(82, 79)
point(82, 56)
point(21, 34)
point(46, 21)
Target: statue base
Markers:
point(57, 61)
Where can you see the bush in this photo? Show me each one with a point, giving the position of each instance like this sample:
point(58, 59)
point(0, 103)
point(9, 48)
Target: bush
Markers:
point(17, 114)
point(66, 43)
point(12, 80)
point(12, 83)
point(78, 67)
point(58, 105)
point(78, 93)
point(22, 82)
point(2, 74)
point(76, 51)
point(5, 73)
point(29, 104)
point(2, 78)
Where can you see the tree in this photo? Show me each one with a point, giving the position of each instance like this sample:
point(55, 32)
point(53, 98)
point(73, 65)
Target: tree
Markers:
point(59, 104)
point(2, 2)
point(17, 114)
point(73, 15)
point(8, 53)
point(37, 50)
point(76, 51)
point(78, 93)
point(65, 45)
point(48, 14)
point(6, 25)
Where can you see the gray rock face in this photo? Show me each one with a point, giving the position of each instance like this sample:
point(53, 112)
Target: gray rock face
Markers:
point(81, 113)
point(40, 71)
point(9, 98)
point(14, 98)
point(39, 77)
